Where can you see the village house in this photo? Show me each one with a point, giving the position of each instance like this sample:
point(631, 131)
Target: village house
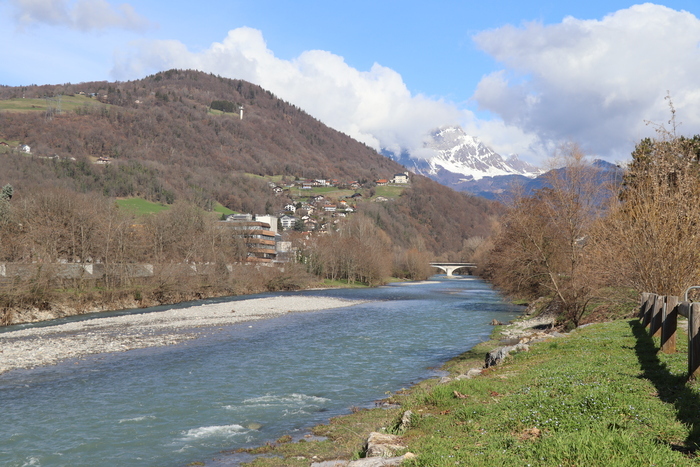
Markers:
point(288, 222)
point(382, 182)
point(310, 224)
point(344, 207)
point(401, 178)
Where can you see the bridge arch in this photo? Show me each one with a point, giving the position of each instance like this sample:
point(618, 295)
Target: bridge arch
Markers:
point(450, 268)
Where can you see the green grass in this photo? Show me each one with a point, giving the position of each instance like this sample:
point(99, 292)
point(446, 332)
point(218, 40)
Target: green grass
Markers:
point(140, 206)
point(389, 191)
point(601, 396)
point(221, 209)
point(68, 104)
point(11, 145)
point(269, 178)
point(328, 191)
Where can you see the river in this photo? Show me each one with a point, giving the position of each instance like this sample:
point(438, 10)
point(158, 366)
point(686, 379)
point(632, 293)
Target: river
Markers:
point(245, 384)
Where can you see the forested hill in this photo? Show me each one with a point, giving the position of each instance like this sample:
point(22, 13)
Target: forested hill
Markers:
point(178, 135)
point(166, 119)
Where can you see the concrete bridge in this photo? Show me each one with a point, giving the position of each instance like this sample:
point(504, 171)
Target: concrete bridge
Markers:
point(450, 268)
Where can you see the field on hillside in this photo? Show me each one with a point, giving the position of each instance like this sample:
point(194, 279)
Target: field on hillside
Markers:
point(140, 206)
point(389, 191)
point(66, 103)
point(221, 209)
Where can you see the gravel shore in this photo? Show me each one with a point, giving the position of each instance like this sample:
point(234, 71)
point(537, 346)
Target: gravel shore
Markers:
point(29, 348)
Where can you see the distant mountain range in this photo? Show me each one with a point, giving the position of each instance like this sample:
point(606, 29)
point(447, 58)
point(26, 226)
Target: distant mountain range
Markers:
point(464, 163)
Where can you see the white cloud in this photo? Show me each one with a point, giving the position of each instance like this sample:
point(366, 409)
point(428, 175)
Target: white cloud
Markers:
point(373, 106)
point(82, 15)
point(507, 139)
point(595, 82)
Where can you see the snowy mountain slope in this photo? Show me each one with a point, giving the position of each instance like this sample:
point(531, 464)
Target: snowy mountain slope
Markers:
point(460, 158)
point(464, 163)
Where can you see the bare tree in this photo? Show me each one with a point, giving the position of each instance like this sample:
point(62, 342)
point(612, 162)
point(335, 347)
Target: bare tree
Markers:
point(649, 240)
point(543, 246)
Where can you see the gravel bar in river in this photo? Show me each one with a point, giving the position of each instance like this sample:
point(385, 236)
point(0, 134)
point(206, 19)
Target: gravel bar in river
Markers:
point(32, 347)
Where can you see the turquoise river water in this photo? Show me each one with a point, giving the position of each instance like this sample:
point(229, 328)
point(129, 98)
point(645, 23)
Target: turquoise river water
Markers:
point(170, 406)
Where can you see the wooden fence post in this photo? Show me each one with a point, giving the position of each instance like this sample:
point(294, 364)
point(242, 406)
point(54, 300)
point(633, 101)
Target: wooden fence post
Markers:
point(694, 341)
point(648, 309)
point(655, 329)
point(644, 305)
point(669, 325)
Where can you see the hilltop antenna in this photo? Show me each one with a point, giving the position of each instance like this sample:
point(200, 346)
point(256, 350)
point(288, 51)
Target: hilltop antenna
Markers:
point(50, 108)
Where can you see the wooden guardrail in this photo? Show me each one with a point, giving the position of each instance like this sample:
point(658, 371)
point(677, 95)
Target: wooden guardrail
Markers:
point(661, 313)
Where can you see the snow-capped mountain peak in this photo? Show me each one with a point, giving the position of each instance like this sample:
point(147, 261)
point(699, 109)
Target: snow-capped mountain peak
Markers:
point(459, 157)
point(460, 153)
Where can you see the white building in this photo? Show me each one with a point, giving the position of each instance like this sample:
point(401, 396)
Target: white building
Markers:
point(272, 220)
point(288, 222)
point(400, 178)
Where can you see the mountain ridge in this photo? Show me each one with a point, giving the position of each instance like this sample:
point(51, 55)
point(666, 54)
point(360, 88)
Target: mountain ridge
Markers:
point(465, 164)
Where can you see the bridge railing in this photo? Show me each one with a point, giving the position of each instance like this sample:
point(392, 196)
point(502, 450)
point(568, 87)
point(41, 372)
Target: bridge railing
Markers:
point(660, 313)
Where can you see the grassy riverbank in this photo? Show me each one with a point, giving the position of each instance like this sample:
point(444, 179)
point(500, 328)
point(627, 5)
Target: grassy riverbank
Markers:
point(599, 396)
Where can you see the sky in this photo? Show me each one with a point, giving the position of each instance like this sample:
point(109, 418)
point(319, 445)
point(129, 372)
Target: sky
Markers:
point(524, 76)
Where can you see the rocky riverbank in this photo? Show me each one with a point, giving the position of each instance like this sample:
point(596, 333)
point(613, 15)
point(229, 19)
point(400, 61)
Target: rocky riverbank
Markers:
point(379, 435)
point(32, 347)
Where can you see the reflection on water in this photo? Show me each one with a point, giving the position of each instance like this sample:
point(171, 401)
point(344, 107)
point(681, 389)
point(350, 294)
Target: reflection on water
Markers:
point(245, 384)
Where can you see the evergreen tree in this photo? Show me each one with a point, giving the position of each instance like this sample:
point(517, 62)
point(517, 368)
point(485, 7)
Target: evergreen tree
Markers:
point(5, 197)
point(7, 192)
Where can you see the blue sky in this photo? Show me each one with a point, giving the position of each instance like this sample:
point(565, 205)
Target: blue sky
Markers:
point(523, 76)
